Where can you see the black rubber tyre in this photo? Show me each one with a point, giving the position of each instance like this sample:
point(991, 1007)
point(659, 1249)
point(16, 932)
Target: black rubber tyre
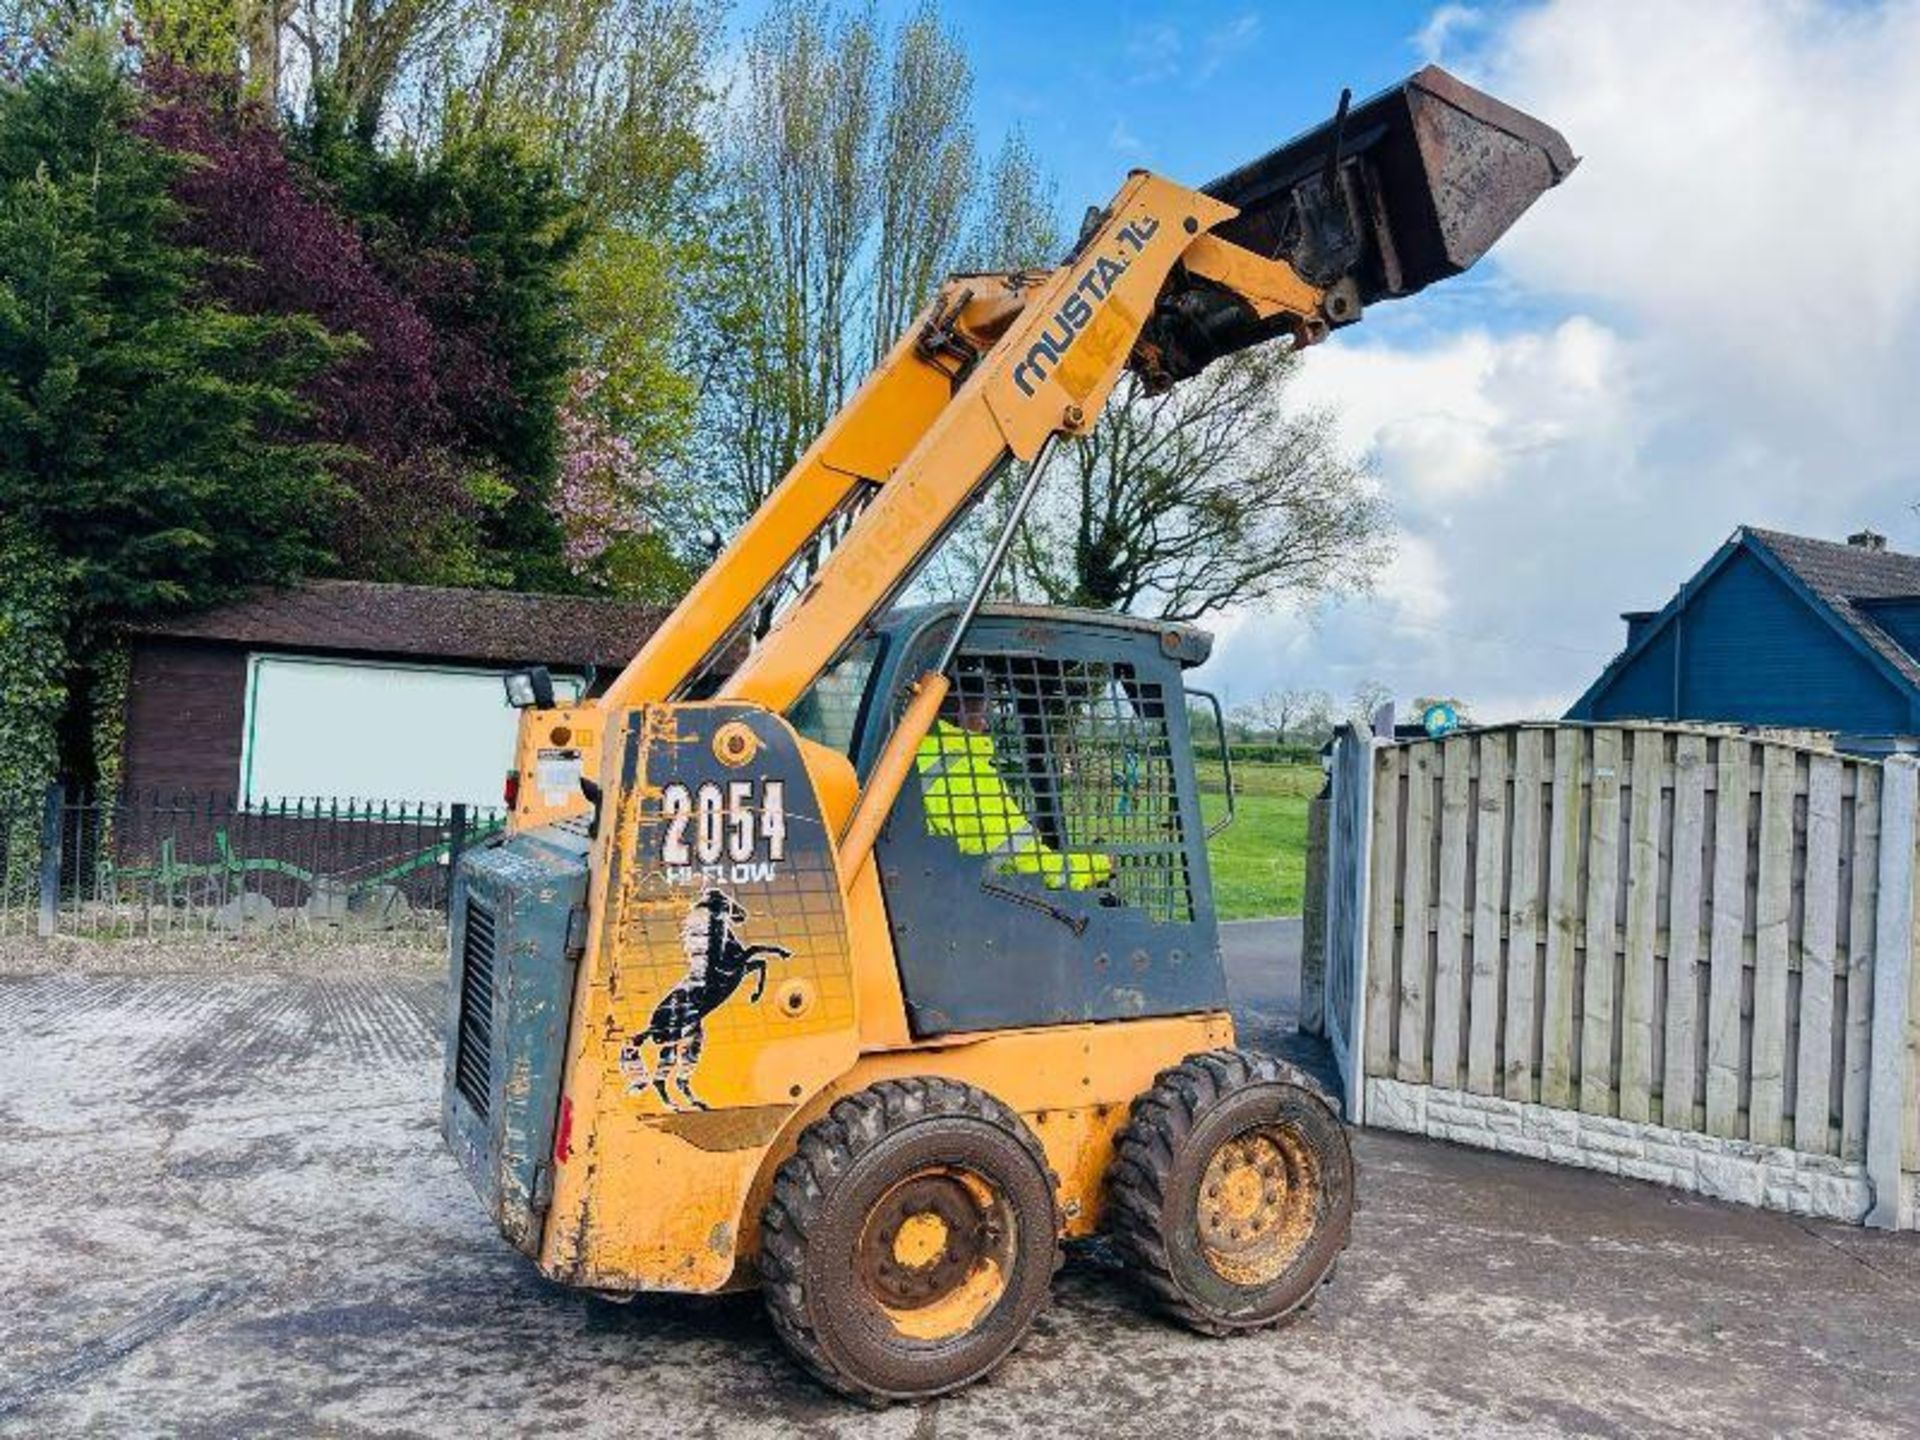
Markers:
point(1232, 1191)
point(910, 1240)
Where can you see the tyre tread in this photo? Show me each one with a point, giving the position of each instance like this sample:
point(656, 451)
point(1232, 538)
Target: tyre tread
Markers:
point(1145, 1153)
point(827, 1149)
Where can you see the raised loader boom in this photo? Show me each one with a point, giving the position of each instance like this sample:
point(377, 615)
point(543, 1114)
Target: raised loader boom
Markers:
point(1407, 188)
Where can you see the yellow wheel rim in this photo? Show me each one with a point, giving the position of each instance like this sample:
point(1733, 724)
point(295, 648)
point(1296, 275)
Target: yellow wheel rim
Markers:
point(935, 1253)
point(1258, 1203)
point(920, 1240)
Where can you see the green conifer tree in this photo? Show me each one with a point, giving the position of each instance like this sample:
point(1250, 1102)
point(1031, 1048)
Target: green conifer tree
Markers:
point(149, 437)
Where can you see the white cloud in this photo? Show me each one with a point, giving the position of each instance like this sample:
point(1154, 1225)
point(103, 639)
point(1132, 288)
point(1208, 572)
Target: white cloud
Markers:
point(1161, 51)
point(1748, 191)
point(1455, 419)
point(1415, 581)
point(1154, 51)
point(1446, 27)
point(1714, 321)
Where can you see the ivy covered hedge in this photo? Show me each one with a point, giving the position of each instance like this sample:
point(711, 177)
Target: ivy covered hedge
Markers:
point(35, 593)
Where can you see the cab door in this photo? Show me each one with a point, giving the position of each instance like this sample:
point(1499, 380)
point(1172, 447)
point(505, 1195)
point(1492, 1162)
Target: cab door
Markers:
point(1072, 886)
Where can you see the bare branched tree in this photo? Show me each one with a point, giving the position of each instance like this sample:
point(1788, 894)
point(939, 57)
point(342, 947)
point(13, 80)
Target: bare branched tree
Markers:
point(1289, 715)
point(1368, 696)
point(1016, 221)
point(357, 52)
point(1318, 718)
point(924, 174)
point(1212, 495)
point(797, 204)
point(622, 120)
point(1014, 226)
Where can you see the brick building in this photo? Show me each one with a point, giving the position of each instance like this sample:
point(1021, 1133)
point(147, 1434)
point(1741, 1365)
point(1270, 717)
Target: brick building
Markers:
point(353, 690)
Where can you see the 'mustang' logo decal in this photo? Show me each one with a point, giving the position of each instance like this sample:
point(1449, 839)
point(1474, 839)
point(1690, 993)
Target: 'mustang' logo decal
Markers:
point(1076, 312)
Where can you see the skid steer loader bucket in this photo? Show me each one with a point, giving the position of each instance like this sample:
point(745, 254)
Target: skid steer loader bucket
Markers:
point(1404, 189)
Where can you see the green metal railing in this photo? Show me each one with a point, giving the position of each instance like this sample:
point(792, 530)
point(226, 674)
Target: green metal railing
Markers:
point(148, 863)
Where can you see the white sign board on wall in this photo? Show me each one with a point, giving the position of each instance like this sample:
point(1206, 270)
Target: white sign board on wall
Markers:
point(373, 731)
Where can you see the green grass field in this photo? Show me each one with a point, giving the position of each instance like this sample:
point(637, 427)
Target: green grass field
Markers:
point(1260, 861)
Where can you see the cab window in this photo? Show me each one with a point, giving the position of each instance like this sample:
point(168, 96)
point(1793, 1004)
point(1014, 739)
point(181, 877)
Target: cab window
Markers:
point(829, 712)
point(1061, 771)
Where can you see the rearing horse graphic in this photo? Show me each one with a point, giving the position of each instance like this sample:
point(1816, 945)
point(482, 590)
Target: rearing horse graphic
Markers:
point(718, 962)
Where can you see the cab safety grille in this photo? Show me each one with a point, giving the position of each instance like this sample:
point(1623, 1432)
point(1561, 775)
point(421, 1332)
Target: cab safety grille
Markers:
point(473, 1051)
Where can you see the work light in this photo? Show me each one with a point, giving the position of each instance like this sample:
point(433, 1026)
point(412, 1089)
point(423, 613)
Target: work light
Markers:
point(530, 687)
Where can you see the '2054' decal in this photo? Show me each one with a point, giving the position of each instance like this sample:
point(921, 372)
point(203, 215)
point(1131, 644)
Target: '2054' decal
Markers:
point(736, 831)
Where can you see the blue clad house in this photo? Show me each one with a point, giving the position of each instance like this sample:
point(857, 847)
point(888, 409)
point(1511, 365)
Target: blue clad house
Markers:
point(1780, 631)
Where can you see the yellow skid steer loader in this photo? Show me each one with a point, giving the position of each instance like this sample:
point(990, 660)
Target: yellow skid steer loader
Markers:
point(864, 954)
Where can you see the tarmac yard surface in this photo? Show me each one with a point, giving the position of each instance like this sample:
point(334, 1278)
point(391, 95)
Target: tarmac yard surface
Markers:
point(230, 1214)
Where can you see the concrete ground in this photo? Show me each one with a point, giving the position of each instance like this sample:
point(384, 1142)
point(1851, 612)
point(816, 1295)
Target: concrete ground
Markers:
point(231, 1215)
point(1263, 972)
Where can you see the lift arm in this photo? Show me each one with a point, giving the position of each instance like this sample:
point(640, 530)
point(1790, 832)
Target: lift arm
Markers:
point(1405, 189)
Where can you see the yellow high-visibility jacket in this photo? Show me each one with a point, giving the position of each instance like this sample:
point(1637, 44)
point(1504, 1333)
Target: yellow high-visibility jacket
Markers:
point(966, 800)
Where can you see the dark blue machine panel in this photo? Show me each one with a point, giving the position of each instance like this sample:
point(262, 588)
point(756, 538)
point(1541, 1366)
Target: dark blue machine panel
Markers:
point(519, 908)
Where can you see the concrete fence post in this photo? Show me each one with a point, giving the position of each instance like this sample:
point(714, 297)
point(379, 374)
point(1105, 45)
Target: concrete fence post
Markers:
point(1342, 945)
point(1889, 1089)
point(1360, 901)
point(50, 837)
point(1316, 914)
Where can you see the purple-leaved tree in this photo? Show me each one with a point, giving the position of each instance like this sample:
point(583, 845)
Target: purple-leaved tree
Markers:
point(278, 245)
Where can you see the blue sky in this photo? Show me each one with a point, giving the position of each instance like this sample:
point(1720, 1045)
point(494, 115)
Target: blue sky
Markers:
point(1187, 90)
point(1715, 321)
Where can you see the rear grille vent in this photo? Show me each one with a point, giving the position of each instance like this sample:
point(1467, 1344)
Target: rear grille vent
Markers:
point(473, 1053)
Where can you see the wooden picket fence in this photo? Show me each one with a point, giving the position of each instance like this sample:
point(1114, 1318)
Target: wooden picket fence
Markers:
point(1696, 930)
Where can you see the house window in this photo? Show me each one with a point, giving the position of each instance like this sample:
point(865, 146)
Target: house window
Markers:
point(374, 733)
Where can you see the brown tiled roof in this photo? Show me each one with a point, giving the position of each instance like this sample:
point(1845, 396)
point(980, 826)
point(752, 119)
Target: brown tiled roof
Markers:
point(427, 620)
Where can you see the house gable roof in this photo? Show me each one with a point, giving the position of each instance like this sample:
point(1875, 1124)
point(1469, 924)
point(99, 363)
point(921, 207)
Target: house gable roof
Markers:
point(1831, 577)
point(1843, 575)
point(491, 626)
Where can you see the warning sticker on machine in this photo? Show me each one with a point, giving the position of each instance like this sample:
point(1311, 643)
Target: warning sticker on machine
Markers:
point(556, 774)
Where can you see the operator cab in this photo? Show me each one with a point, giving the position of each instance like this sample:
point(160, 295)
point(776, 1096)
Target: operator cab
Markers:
point(1046, 861)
